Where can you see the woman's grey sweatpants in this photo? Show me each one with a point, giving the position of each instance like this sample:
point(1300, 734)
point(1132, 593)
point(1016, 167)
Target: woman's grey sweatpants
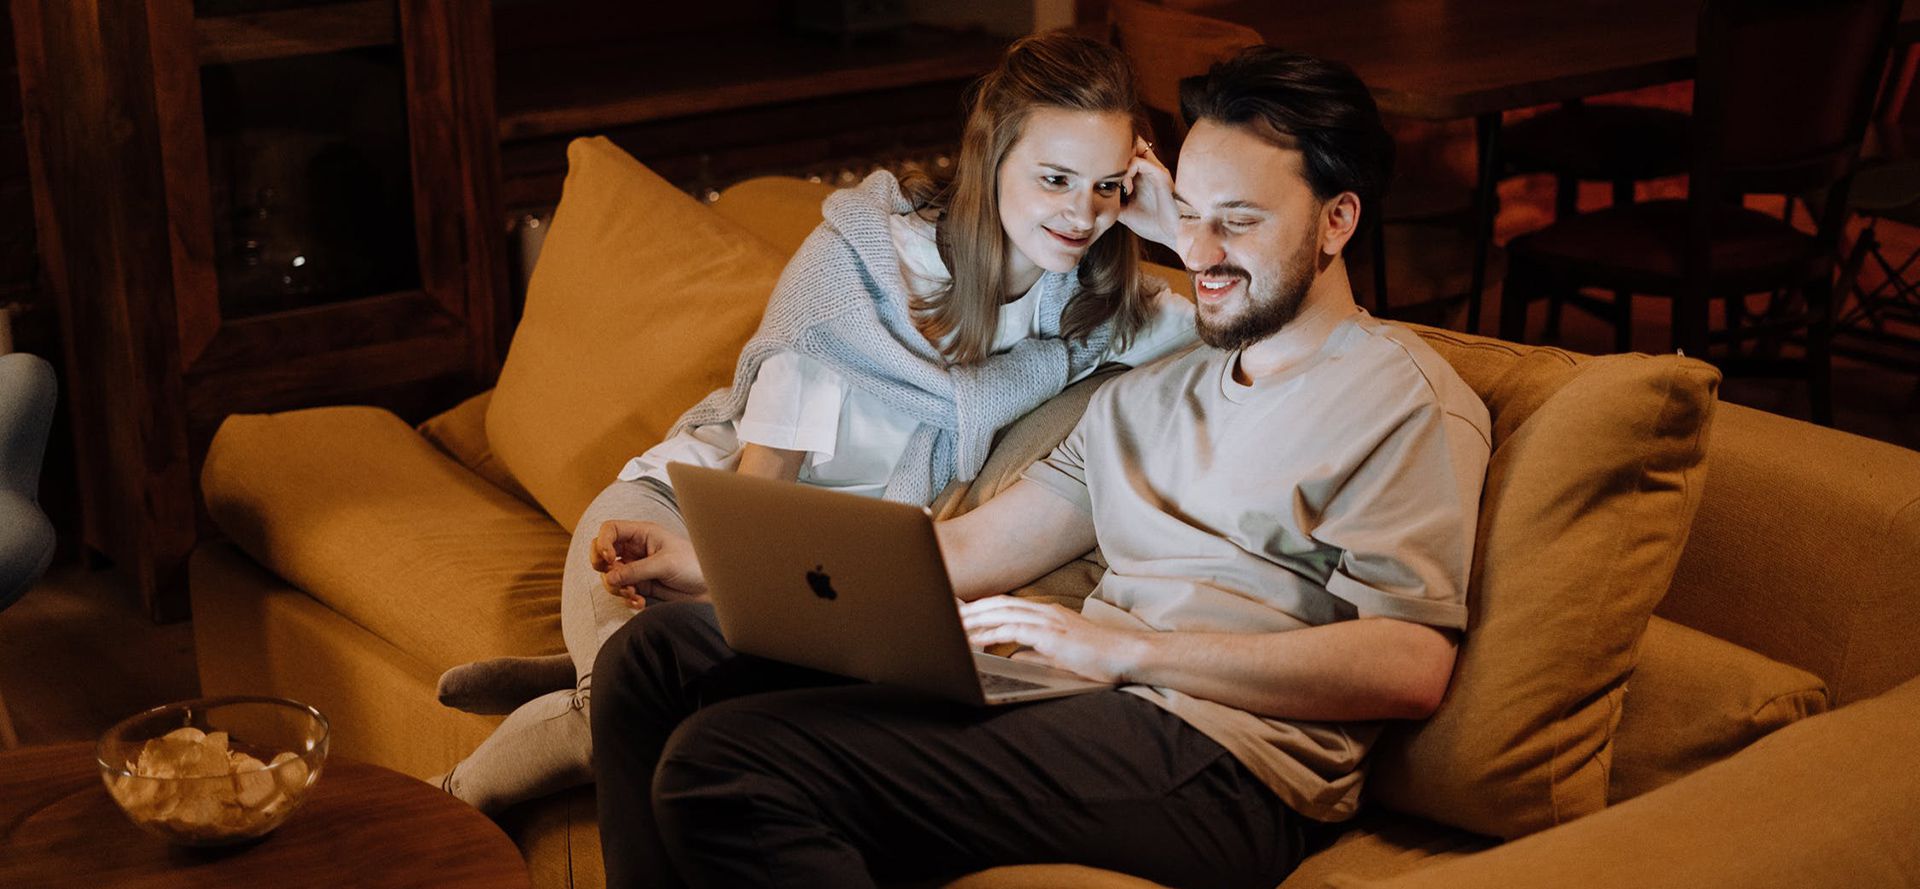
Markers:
point(547, 744)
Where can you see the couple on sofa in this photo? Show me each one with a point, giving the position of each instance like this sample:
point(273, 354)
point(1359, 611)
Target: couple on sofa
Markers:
point(1287, 513)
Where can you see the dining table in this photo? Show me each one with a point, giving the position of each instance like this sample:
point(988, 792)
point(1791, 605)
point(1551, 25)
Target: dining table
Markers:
point(1441, 60)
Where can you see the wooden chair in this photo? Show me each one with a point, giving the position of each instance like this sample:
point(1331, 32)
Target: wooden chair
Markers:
point(1886, 190)
point(1782, 95)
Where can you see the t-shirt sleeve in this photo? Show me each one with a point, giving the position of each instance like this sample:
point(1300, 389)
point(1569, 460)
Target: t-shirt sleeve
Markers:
point(794, 404)
point(1168, 328)
point(1064, 471)
point(1405, 518)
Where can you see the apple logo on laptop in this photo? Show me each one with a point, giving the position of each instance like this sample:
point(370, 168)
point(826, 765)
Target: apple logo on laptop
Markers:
point(821, 584)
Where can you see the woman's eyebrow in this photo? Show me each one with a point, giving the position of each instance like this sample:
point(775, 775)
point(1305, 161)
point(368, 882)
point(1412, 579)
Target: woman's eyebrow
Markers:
point(1073, 172)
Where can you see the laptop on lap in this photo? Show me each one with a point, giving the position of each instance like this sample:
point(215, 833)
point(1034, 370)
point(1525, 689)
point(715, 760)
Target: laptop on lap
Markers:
point(845, 584)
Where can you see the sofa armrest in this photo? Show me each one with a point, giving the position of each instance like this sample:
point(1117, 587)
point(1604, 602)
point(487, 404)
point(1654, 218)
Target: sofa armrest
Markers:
point(1829, 801)
point(1802, 551)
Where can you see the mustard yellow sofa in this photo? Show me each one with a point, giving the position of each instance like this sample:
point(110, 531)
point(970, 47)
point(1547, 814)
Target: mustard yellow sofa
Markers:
point(1692, 658)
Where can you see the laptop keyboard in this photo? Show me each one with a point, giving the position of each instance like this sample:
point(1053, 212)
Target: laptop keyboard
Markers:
point(996, 684)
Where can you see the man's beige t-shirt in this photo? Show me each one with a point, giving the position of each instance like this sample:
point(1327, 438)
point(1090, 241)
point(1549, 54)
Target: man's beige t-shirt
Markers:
point(1347, 485)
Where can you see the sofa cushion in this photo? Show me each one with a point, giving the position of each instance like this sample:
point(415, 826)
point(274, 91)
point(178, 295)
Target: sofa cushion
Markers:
point(1695, 700)
point(1826, 802)
point(637, 308)
point(1380, 844)
point(779, 210)
point(352, 506)
point(461, 433)
point(1593, 482)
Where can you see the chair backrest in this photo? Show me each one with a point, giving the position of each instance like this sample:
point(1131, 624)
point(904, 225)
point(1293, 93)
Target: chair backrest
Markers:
point(1167, 45)
point(1895, 131)
point(1784, 90)
point(1781, 100)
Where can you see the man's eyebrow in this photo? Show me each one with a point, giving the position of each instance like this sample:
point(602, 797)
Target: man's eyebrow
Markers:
point(1073, 172)
point(1229, 205)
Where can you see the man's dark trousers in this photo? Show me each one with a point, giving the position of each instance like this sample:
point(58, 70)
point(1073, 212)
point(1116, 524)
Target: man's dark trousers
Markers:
point(721, 769)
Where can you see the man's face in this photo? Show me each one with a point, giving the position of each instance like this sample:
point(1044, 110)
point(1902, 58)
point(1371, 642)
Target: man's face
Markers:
point(1249, 233)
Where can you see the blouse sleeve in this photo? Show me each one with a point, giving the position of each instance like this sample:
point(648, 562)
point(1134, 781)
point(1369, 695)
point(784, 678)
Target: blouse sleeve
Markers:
point(794, 404)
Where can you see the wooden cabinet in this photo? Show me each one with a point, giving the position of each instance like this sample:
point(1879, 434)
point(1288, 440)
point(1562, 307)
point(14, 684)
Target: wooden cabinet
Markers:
point(254, 205)
point(260, 205)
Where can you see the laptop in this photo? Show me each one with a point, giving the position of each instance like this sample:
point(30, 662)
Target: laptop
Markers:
point(846, 584)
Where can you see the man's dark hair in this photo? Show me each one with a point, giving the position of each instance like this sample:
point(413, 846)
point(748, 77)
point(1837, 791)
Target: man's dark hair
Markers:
point(1295, 100)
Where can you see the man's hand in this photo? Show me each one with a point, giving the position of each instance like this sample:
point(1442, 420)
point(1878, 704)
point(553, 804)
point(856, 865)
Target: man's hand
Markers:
point(1053, 636)
point(639, 559)
point(1148, 208)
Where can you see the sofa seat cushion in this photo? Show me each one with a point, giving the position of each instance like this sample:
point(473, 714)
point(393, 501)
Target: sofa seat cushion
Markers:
point(1380, 844)
point(358, 510)
point(1830, 801)
point(1595, 476)
point(1695, 700)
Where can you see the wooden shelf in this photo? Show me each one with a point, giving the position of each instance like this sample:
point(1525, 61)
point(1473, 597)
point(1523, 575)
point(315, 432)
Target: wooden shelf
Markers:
point(295, 32)
point(580, 89)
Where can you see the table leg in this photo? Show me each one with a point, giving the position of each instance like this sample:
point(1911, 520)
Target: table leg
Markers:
point(1486, 205)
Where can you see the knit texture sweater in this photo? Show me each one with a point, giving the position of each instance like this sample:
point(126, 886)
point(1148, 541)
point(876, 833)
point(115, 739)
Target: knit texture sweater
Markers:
point(842, 301)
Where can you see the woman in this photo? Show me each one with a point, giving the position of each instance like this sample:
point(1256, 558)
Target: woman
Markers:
point(914, 323)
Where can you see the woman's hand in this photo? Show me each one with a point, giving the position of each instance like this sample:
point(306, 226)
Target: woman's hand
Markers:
point(1148, 207)
point(641, 559)
point(1053, 636)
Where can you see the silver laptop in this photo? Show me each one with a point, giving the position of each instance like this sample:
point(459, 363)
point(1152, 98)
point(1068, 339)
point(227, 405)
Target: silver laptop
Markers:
point(846, 584)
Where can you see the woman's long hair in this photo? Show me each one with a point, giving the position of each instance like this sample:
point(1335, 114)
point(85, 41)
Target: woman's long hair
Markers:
point(1052, 70)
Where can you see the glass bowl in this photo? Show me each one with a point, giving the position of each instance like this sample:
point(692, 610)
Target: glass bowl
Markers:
point(214, 771)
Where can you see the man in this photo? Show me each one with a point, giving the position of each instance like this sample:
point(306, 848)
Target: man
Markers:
point(1288, 516)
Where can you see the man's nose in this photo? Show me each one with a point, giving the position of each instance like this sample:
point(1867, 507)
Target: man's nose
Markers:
point(1199, 248)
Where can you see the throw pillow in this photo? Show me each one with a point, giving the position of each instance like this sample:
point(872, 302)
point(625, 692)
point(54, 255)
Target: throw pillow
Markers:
point(638, 307)
point(1592, 487)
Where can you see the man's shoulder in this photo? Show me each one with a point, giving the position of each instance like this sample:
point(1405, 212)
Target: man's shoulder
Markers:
point(1392, 353)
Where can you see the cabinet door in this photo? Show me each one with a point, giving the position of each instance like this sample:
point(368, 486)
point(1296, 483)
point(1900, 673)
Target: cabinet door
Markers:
point(329, 173)
point(253, 205)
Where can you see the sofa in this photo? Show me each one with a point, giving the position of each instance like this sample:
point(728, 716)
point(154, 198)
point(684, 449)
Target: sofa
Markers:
point(1690, 659)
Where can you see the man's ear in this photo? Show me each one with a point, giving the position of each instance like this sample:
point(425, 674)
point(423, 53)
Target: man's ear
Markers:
point(1339, 219)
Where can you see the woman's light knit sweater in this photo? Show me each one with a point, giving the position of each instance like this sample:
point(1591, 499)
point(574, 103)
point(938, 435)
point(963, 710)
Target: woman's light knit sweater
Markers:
point(842, 301)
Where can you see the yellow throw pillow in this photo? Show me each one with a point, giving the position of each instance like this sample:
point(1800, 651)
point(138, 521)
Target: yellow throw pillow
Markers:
point(1695, 700)
point(1593, 483)
point(639, 306)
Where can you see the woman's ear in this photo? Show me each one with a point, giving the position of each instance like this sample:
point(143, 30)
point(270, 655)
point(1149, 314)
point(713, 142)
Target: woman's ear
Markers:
point(1339, 219)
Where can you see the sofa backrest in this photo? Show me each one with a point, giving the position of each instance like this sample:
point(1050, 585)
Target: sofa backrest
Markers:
point(1804, 548)
point(1807, 550)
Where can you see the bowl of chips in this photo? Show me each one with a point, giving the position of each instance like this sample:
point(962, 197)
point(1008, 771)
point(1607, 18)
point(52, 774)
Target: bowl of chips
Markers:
point(214, 771)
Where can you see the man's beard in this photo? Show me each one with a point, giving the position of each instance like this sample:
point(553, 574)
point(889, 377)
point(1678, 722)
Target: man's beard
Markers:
point(1265, 312)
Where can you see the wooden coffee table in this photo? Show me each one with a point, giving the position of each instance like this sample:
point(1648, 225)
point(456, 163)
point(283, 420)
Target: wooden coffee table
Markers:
point(363, 826)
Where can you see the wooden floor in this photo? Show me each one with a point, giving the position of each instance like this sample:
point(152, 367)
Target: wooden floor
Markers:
point(76, 657)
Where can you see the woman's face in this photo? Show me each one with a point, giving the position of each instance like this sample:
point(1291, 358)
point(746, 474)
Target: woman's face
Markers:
point(1060, 189)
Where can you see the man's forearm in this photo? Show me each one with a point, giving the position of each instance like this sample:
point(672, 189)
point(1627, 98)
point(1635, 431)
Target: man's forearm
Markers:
point(1012, 540)
point(1371, 668)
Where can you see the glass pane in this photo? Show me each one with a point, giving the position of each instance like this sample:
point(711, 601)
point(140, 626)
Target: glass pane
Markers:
point(312, 190)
